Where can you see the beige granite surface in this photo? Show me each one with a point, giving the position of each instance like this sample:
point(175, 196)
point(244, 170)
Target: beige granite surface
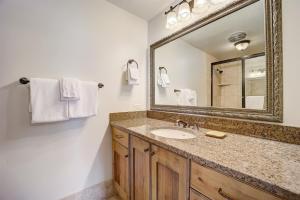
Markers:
point(270, 165)
point(265, 130)
point(127, 115)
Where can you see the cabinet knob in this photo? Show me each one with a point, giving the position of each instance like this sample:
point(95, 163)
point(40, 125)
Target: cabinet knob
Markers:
point(152, 153)
point(146, 150)
point(126, 156)
point(220, 191)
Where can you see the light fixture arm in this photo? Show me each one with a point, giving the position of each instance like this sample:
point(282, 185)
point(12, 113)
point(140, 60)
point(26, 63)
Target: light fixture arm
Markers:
point(175, 6)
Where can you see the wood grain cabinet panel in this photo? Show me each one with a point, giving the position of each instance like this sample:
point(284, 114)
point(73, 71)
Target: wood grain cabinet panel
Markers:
point(120, 170)
point(140, 169)
point(169, 175)
point(120, 137)
point(194, 195)
point(220, 187)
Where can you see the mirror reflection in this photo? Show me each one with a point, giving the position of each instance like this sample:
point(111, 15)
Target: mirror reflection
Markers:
point(221, 64)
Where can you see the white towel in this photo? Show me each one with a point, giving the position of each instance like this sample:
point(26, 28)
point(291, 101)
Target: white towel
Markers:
point(45, 101)
point(88, 104)
point(163, 80)
point(133, 75)
point(255, 102)
point(69, 89)
point(187, 97)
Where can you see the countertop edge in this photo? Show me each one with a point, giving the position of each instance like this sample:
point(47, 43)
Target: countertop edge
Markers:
point(244, 178)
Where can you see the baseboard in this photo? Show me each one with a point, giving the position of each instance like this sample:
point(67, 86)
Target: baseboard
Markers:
point(99, 191)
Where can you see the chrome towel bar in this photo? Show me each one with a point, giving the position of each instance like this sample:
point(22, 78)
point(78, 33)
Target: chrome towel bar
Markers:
point(25, 81)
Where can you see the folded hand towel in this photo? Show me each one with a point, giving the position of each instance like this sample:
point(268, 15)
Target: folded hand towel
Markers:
point(69, 89)
point(187, 97)
point(163, 80)
point(133, 75)
point(88, 104)
point(45, 101)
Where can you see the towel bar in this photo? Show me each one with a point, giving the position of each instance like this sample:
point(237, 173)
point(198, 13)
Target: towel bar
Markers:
point(25, 81)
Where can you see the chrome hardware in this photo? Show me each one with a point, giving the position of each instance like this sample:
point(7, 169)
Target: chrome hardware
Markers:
point(195, 127)
point(181, 123)
point(25, 81)
point(220, 191)
point(119, 136)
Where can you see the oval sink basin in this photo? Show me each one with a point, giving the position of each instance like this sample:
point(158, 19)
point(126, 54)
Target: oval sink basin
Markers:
point(173, 133)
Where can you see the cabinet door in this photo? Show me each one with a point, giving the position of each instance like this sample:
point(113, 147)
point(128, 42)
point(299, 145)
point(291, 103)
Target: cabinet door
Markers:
point(120, 163)
point(169, 175)
point(140, 169)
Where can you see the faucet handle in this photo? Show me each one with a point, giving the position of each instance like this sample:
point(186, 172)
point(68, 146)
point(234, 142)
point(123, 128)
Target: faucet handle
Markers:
point(180, 122)
point(195, 126)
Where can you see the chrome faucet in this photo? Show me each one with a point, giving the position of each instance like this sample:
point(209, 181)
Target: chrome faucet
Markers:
point(195, 127)
point(181, 123)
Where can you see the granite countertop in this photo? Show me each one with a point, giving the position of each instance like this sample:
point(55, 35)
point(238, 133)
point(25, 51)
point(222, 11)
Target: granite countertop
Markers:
point(270, 165)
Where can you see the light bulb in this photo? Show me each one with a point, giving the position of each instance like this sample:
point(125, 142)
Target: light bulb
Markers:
point(242, 45)
point(171, 20)
point(198, 3)
point(200, 6)
point(184, 12)
point(217, 1)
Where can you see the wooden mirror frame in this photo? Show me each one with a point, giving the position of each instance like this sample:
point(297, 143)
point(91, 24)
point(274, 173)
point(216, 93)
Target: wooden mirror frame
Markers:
point(273, 32)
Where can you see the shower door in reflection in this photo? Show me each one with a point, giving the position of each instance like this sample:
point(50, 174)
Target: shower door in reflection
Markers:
point(239, 82)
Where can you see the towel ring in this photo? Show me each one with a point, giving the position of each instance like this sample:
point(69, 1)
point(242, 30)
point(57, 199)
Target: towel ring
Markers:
point(162, 68)
point(130, 61)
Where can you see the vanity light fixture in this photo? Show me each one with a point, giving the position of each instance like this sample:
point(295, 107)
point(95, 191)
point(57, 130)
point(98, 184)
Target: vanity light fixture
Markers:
point(171, 19)
point(200, 6)
point(259, 73)
point(217, 1)
point(242, 45)
point(184, 12)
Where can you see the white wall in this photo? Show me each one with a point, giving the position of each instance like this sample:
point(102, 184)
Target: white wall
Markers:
point(91, 40)
point(291, 43)
point(291, 64)
point(187, 68)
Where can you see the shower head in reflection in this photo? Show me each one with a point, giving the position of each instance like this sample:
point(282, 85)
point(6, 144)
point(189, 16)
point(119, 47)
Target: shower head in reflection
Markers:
point(219, 71)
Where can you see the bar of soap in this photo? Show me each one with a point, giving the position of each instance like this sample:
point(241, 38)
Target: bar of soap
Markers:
point(216, 134)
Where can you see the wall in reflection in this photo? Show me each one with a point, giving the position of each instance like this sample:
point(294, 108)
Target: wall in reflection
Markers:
point(188, 68)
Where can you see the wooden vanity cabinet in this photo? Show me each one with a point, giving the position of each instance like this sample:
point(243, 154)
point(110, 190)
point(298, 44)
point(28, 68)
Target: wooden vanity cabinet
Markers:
point(169, 173)
point(120, 163)
point(158, 174)
point(194, 195)
point(140, 169)
point(217, 186)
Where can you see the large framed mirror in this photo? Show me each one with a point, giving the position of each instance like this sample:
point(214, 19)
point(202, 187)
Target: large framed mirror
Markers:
point(227, 64)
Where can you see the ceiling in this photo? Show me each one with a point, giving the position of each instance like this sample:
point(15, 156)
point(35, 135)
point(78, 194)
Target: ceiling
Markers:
point(146, 9)
point(213, 38)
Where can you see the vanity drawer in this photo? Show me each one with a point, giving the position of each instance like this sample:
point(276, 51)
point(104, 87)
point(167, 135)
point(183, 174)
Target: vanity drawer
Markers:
point(194, 195)
point(220, 187)
point(120, 137)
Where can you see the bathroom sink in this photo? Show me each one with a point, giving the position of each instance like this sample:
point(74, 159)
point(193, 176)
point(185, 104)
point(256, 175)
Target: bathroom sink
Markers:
point(173, 133)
